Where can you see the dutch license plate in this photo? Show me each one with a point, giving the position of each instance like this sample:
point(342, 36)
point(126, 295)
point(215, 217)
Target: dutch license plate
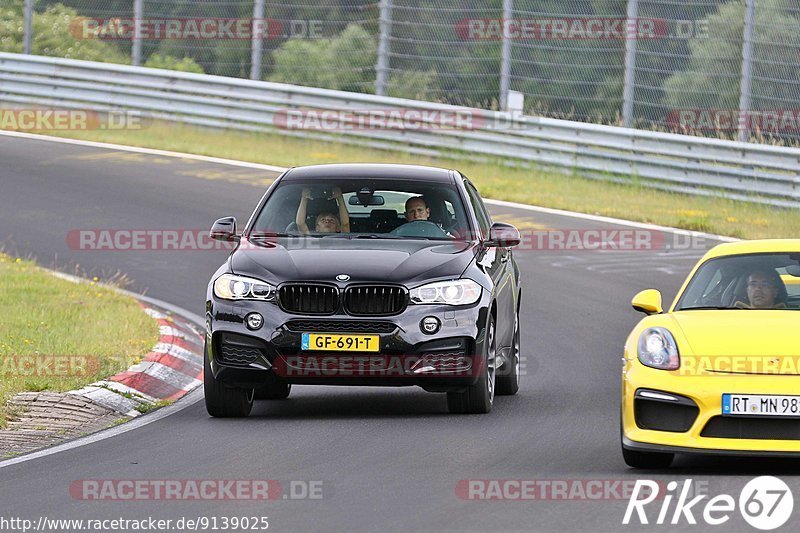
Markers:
point(340, 343)
point(760, 405)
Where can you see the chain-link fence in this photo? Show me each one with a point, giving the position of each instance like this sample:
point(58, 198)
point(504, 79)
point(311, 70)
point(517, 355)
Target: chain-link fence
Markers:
point(721, 68)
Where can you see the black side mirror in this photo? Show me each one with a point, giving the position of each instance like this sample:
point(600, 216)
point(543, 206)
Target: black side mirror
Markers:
point(224, 229)
point(503, 235)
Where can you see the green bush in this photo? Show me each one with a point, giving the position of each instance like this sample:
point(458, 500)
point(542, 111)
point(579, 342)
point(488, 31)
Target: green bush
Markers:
point(712, 78)
point(413, 84)
point(346, 62)
point(55, 33)
point(185, 64)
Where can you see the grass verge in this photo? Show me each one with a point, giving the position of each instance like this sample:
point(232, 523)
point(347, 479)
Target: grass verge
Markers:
point(495, 179)
point(57, 335)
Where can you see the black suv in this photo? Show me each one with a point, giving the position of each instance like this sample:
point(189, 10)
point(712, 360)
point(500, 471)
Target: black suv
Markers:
point(365, 274)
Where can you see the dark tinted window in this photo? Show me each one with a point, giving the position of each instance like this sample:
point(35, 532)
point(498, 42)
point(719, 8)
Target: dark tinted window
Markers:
point(480, 210)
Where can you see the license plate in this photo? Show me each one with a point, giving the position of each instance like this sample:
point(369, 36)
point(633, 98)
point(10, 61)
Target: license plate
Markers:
point(340, 343)
point(760, 405)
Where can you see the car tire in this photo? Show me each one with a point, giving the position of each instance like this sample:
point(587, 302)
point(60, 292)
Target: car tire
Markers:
point(273, 389)
point(647, 460)
point(478, 398)
point(509, 374)
point(223, 401)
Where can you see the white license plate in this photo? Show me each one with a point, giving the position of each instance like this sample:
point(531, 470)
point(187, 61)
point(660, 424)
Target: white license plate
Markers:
point(760, 405)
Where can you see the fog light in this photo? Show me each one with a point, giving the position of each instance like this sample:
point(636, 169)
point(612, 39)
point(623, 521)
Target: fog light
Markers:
point(254, 321)
point(430, 325)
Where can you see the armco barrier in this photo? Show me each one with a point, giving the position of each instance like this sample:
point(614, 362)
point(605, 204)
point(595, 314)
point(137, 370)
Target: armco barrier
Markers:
point(681, 163)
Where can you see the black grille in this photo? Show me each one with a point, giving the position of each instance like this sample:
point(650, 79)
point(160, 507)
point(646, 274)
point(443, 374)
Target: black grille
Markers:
point(725, 427)
point(375, 300)
point(336, 326)
point(239, 355)
point(309, 299)
point(664, 416)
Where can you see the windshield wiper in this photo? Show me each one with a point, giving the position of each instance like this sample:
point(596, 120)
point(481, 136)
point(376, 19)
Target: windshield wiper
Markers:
point(703, 307)
point(374, 236)
point(264, 235)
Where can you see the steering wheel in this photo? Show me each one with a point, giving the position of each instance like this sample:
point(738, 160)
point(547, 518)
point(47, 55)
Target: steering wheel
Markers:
point(419, 228)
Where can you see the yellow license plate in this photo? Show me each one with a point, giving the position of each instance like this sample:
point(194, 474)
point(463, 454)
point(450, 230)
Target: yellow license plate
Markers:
point(341, 343)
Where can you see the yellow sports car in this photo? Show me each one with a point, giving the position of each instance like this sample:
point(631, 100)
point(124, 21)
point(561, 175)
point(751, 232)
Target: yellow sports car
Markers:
point(719, 371)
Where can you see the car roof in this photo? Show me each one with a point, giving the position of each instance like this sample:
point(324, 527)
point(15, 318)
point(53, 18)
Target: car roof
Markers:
point(370, 170)
point(754, 247)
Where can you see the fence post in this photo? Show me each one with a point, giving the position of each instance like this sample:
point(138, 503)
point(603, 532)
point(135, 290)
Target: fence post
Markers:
point(257, 40)
point(630, 62)
point(505, 55)
point(27, 37)
point(746, 82)
point(385, 30)
point(136, 45)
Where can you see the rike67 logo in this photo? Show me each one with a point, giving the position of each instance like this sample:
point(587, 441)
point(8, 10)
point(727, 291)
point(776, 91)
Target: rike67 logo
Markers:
point(765, 503)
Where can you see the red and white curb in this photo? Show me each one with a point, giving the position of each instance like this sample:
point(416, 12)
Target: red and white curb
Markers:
point(172, 368)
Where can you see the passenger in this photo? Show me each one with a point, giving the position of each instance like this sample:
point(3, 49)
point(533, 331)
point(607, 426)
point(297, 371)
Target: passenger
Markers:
point(765, 290)
point(326, 222)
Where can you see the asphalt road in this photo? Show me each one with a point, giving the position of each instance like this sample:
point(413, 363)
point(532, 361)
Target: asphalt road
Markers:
point(388, 459)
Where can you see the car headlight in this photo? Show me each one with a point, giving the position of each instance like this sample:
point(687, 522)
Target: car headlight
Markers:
point(456, 292)
point(233, 287)
point(657, 349)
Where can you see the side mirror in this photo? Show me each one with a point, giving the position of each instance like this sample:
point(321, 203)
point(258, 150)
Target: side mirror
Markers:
point(648, 302)
point(224, 229)
point(503, 235)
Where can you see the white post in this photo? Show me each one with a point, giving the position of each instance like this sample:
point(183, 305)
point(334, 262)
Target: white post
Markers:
point(385, 30)
point(505, 55)
point(136, 45)
point(27, 37)
point(257, 41)
point(630, 62)
point(746, 82)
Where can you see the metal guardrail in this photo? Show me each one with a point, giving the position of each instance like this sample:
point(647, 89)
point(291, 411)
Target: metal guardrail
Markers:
point(680, 163)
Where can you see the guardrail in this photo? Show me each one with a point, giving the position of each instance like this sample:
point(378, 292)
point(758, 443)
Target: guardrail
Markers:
point(680, 163)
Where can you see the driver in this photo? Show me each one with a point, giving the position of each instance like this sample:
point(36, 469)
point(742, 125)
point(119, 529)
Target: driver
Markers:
point(417, 209)
point(763, 290)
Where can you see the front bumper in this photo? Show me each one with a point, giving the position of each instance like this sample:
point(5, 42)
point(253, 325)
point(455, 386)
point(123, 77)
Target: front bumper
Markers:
point(708, 431)
point(407, 356)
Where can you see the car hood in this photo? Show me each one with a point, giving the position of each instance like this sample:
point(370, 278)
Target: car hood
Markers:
point(753, 338)
point(365, 260)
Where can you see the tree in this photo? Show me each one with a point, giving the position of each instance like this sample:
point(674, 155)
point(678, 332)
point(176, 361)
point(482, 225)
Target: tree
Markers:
point(345, 62)
point(54, 34)
point(185, 64)
point(712, 78)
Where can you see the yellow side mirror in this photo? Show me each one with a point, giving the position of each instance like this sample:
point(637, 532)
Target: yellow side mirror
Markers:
point(648, 302)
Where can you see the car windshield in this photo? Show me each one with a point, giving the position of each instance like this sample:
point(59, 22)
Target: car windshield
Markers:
point(754, 281)
point(363, 208)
